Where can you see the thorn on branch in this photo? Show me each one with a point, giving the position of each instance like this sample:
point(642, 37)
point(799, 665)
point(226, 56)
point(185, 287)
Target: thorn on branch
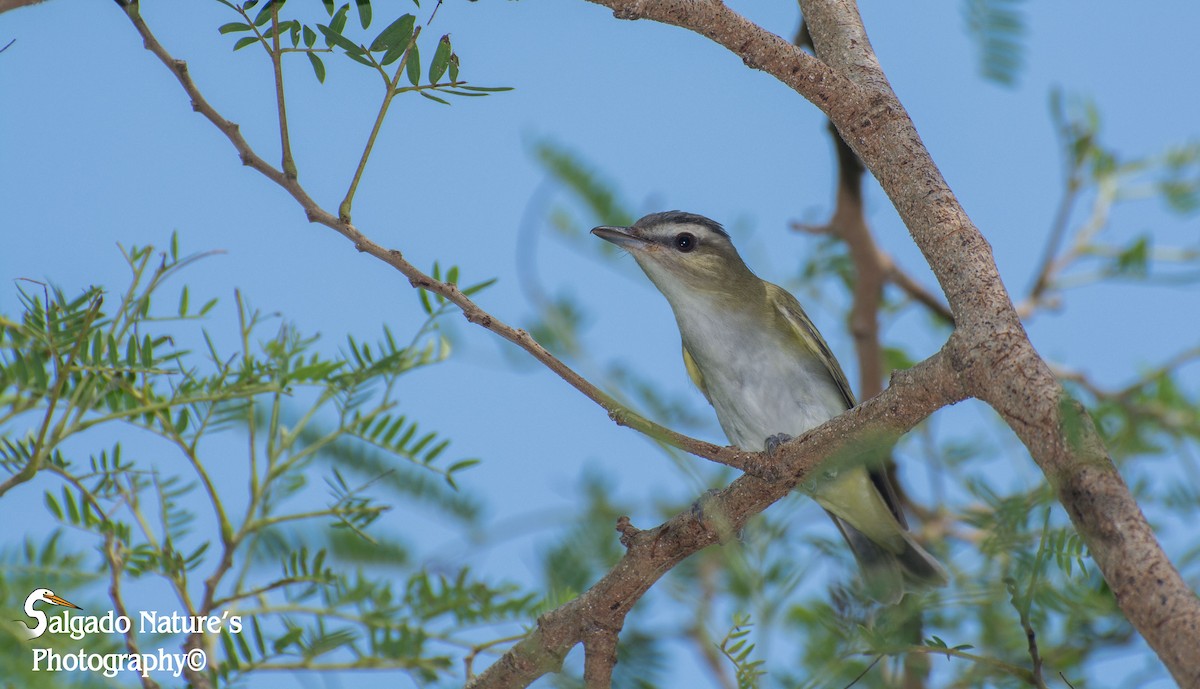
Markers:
point(627, 530)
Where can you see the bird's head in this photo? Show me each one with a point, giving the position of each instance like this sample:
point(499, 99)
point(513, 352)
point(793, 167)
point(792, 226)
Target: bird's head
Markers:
point(48, 596)
point(685, 255)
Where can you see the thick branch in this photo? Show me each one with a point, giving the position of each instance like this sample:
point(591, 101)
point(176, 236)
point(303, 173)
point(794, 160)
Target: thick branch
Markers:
point(913, 395)
point(990, 349)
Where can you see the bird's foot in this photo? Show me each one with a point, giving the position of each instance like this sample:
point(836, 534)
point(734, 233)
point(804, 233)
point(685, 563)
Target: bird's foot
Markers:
point(773, 442)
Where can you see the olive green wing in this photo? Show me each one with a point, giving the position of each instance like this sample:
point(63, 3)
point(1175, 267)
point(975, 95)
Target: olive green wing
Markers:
point(693, 371)
point(794, 314)
point(807, 333)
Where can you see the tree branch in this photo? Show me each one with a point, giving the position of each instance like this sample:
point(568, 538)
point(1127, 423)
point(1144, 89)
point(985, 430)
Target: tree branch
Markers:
point(913, 395)
point(6, 5)
point(750, 462)
point(600, 657)
point(990, 350)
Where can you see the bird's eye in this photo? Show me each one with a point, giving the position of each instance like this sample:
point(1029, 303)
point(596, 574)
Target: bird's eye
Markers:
point(685, 241)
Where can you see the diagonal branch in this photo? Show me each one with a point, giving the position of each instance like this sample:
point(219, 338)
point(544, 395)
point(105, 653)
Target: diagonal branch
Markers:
point(913, 395)
point(750, 462)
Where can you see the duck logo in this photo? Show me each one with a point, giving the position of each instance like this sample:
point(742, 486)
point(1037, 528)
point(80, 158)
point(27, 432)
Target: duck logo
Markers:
point(40, 623)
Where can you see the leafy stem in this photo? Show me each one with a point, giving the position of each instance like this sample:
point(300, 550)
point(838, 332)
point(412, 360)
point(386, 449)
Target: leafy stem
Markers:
point(391, 92)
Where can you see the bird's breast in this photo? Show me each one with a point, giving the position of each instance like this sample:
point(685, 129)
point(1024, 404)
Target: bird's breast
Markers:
point(760, 383)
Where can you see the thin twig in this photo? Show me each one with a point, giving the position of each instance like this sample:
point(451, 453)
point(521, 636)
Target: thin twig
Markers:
point(116, 565)
point(390, 93)
point(864, 672)
point(288, 163)
point(754, 463)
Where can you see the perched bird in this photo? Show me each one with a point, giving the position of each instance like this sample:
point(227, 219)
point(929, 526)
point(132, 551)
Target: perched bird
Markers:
point(752, 351)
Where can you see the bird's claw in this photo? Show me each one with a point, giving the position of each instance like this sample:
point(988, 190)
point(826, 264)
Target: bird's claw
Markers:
point(773, 442)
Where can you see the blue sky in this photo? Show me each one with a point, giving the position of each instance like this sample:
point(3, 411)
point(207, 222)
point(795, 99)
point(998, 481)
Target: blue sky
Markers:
point(99, 145)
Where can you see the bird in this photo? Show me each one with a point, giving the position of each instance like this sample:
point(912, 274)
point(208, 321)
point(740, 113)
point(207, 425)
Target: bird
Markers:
point(42, 595)
point(769, 375)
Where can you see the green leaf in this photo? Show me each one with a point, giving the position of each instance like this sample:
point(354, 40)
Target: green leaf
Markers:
point(414, 65)
point(440, 61)
point(318, 67)
point(434, 98)
point(233, 27)
point(396, 36)
point(53, 506)
point(461, 464)
point(243, 42)
point(147, 352)
point(258, 636)
point(264, 15)
point(72, 506)
point(359, 57)
point(310, 37)
point(364, 12)
point(998, 28)
point(488, 89)
point(328, 6)
point(1135, 259)
point(435, 451)
point(338, 22)
point(479, 287)
point(231, 657)
point(333, 38)
point(453, 67)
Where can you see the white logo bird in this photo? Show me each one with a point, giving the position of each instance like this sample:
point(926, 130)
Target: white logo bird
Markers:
point(42, 595)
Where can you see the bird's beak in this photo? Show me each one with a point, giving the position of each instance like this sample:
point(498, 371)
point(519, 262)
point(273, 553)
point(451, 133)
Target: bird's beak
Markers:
point(621, 236)
point(59, 601)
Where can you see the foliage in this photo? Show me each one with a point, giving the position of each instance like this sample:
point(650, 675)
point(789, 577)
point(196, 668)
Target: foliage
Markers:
point(997, 27)
point(396, 43)
point(152, 506)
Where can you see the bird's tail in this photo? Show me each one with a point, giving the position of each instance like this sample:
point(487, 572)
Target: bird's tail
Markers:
point(888, 573)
